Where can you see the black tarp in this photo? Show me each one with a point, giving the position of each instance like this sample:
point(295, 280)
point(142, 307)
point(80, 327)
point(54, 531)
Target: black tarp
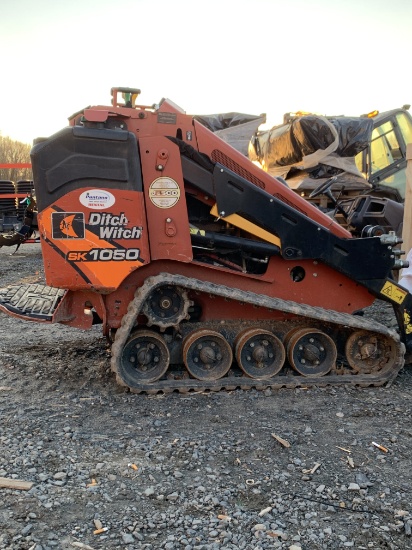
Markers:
point(289, 144)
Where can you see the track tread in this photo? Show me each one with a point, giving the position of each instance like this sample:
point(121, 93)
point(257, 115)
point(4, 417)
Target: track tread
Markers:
point(31, 301)
point(232, 382)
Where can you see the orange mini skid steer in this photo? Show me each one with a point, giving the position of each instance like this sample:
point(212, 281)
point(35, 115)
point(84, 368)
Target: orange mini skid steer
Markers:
point(204, 271)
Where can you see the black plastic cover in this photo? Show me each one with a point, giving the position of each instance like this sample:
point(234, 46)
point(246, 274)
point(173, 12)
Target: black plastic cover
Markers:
point(77, 157)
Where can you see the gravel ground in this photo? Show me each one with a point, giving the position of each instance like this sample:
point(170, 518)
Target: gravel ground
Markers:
point(110, 469)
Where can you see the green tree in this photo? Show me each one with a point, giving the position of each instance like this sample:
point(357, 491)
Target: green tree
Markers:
point(14, 152)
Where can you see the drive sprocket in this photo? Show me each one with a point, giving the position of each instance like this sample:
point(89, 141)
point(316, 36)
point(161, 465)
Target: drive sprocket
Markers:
point(167, 306)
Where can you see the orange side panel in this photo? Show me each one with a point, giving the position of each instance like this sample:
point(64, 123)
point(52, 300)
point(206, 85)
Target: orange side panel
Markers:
point(93, 239)
point(167, 218)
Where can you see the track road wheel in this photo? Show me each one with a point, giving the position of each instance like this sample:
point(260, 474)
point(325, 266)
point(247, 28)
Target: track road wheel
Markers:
point(259, 353)
point(207, 354)
point(144, 359)
point(369, 353)
point(311, 352)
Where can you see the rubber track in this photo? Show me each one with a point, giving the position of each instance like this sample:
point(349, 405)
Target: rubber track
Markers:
point(243, 382)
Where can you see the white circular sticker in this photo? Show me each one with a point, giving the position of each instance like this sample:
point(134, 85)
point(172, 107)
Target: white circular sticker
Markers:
point(97, 199)
point(164, 192)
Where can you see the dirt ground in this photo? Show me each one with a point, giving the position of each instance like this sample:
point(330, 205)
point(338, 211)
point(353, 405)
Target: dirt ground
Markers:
point(110, 469)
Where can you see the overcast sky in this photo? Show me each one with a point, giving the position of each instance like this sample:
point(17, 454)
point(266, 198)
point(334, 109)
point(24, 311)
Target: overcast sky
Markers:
point(261, 56)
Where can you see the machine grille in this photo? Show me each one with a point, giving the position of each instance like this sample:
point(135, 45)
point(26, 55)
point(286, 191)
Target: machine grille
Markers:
point(221, 158)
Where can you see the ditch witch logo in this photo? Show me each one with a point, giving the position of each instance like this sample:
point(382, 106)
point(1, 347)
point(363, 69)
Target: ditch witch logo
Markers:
point(67, 225)
point(70, 225)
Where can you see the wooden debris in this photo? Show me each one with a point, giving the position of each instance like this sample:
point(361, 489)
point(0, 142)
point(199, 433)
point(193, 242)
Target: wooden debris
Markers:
point(350, 462)
point(18, 484)
point(312, 470)
point(315, 467)
point(265, 511)
point(281, 440)
point(92, 484)
point(343, 449)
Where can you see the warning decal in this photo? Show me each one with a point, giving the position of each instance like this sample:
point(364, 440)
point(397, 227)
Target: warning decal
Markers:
point(393, 292)
point(196, 231)
point(407, 322)
point(164, 192)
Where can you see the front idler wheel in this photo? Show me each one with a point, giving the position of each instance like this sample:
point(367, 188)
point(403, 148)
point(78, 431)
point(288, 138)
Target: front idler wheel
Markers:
point(207, 355)
point(369, 353)
point(144, 359)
